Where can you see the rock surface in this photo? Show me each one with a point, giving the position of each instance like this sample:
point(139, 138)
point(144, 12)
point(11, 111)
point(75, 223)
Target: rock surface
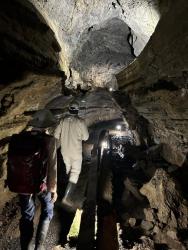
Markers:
point(27, 41)
point(157, 83)
point(100, 54)
point(74, 20)
point(170, 208)
point(163, 195)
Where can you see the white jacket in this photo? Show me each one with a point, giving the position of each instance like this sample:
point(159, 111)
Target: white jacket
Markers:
point(71, 131)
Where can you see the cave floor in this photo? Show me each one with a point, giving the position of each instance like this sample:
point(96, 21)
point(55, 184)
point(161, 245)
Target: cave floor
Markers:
point(10, 232)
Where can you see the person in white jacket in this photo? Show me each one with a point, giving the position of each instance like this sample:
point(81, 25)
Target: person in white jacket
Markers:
point(71, 131)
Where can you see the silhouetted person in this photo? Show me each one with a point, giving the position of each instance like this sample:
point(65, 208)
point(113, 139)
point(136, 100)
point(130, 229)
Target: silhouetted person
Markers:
point(46, 191)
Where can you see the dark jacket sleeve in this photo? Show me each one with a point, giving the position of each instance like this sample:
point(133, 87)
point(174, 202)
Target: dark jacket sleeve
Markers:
point(52, 166)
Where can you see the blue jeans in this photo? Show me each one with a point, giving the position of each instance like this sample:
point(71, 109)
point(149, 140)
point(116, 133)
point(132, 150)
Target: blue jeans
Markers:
point(27, 204)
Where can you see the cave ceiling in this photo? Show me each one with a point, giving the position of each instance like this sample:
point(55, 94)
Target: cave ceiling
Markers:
point(87, 29)
point(90, 41)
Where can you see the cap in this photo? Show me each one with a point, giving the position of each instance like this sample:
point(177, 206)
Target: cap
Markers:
point(43, 119)
point(74, 107)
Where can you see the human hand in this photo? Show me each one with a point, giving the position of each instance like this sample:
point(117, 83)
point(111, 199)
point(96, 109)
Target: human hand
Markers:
point(53, 197)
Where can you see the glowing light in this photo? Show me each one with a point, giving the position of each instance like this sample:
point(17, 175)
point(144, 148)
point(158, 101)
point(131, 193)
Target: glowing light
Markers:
point(75, 227)
point(118, 127)
point(104, 144)
point(110, 89)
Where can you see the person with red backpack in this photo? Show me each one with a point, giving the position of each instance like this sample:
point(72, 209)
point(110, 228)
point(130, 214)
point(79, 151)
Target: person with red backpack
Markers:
point(32, 172)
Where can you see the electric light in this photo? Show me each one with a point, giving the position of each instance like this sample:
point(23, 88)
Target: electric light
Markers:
point(104, 144)
point(118, 127)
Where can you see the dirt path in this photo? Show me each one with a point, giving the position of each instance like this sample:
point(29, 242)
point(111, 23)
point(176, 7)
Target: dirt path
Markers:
point(9, 228)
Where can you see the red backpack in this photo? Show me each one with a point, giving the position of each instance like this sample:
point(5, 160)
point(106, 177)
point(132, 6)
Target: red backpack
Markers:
point(27, 164)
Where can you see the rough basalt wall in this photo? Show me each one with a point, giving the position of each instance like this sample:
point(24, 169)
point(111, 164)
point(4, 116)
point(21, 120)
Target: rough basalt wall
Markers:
point(157, 81)
point(78, 26)
point(26, 41)
point(157, 87)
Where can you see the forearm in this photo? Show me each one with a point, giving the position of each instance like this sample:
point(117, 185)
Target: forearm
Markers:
point(52, 168)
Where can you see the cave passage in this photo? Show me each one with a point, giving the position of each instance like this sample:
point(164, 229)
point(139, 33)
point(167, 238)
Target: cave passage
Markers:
point(125, 63)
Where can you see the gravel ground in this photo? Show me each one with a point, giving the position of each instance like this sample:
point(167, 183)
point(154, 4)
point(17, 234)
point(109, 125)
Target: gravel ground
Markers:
point(9, 229)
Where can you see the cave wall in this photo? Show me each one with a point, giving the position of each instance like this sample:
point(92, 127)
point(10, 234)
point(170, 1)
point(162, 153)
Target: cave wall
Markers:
point(30, 72)
point(157, 87)
point(27, 42)
point(157, 81)
point(20, 100)
point(165, 56)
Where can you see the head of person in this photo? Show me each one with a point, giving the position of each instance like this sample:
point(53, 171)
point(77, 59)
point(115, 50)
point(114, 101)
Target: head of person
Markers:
point(73, 108)
point(42, 120)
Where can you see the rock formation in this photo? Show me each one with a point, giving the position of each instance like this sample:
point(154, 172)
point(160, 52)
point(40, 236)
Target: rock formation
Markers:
point(52, 52)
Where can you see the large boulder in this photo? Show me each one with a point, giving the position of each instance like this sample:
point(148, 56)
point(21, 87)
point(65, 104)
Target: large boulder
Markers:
point(169, 209)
